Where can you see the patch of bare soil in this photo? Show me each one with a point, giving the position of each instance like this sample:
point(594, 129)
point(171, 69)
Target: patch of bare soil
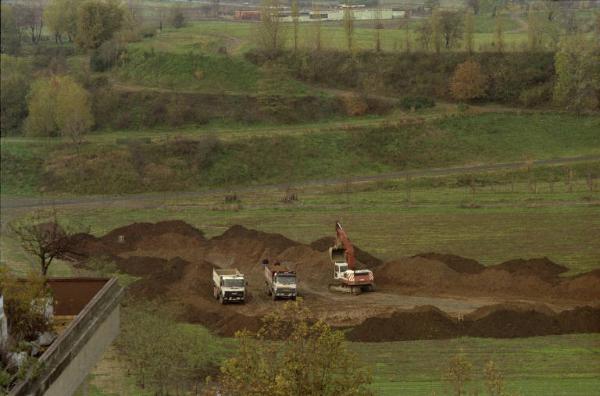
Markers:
point(175, 260)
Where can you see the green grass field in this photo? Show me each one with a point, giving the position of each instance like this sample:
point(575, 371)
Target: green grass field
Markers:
point(551, 365)
point(554, 365)
point(277, 156)
point(238, 37)
point(496, 223)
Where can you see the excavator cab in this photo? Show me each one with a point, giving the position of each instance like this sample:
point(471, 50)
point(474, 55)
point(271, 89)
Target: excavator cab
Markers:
point(338, 258)
point(339, 270)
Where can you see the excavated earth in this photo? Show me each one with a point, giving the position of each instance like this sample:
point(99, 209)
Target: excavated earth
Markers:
point(427, 296)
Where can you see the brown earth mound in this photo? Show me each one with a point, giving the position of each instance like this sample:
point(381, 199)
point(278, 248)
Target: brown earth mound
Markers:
point(420, 323)
point(540, 267)
point(496, 321)
point(459, 264)
point(414, 273)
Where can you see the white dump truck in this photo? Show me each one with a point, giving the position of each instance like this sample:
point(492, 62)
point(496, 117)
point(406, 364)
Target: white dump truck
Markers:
point(280, 282)
point(229, 285)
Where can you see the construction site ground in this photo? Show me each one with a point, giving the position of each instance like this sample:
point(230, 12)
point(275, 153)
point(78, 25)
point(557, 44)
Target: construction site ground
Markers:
point(427, 296)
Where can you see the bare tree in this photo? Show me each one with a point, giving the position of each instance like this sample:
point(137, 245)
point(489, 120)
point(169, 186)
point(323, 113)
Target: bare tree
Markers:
point(469, 31)
point(29, 16)
point(296, 21)
point(348, 23)
point(271, 34)
point(45, 237)
point(378, 27)
point(317, 24)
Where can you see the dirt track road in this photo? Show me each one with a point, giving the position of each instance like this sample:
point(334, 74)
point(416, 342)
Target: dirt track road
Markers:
point(8, 204)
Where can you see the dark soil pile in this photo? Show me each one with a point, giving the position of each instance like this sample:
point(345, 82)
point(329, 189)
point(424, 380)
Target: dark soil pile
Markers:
point(540, 267)
point(538, 278)
point(421, 323)
point(495, 321)
point(457, 263)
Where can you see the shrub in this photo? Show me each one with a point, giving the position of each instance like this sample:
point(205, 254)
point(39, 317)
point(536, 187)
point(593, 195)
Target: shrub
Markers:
point(416, 102)
point(354, 104)
point(468, 81)
point(536, 96)
point(106, 56)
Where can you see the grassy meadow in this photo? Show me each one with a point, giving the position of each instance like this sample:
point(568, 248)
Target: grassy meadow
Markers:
point(198, 160)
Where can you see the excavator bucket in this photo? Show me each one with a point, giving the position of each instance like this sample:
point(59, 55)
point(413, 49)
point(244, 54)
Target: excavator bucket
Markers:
point(337, 255)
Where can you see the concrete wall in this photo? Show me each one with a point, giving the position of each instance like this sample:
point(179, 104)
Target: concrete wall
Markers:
point(67, 362)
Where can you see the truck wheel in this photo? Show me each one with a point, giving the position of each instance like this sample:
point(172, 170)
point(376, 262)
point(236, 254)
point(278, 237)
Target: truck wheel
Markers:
point(273, 296)
point(221, 299)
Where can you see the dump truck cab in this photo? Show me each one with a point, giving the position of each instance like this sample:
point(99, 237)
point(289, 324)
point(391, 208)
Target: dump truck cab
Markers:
point(229, 285)
point(280, 281)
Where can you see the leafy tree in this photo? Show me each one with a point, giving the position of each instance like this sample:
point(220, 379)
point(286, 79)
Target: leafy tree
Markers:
point(24, 305)
point(271, 35)
point(58, 105)
point(45, 236)
point(10, 36)
point(14, 85)
point(348, 23)
point(577, 85)
point(97, 22)
point(468, 81)
point(73, 110)
point(61, 18)
point(41, 103)
point(161, 354)
point(289, 355)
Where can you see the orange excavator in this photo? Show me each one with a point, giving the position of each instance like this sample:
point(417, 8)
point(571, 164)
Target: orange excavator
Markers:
point(346, 278)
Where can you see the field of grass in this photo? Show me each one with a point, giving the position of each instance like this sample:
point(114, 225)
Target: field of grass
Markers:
point(238, 37)
point(557, 365)
point(495, 223)
point(553, 365)
point(281, 157)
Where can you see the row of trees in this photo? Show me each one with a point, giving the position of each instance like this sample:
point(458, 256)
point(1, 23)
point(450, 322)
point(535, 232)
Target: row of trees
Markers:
point(443, 30)
point(88, 23)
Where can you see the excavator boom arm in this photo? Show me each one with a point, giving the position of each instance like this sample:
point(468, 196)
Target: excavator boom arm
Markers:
point(345, 241)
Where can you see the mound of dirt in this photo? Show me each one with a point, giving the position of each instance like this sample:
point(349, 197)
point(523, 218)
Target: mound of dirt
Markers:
point(421, 323)
point(363, 257)
point(580, 320)
point(495, 321)
point(159, 275)
point(540, 267)
point(415, 273)
point(457, 263)
point(504, 322)
point(144, 235)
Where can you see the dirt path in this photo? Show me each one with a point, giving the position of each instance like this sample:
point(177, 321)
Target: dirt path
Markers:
point(149, 200)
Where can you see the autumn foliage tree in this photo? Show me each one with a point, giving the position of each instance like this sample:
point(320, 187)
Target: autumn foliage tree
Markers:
point(97, 22)
point(290, 355)
point(468, 82)
point(59, 106)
